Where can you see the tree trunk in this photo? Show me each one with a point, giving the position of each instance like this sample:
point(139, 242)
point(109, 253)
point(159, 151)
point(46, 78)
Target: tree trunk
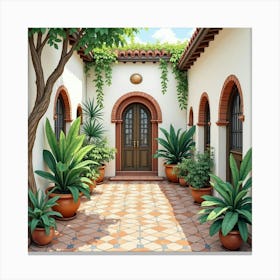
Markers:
point(43, 97)
point(34, 118)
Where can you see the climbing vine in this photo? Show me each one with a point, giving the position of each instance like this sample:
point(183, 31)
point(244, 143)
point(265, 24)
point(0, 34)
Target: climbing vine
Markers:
point(164, 72)
point(103, 60)
point(181, 78)
point(105, 57)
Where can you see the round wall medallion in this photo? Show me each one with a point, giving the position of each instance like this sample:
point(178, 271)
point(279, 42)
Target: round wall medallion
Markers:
point(136, 78)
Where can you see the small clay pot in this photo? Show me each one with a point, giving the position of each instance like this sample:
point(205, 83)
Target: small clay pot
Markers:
point(66, 205)
point(101, 174)
point(171, 176)
point(183, 182)
point(92, 185)
point(40, 237)
point(232, 241)
point(198, 193)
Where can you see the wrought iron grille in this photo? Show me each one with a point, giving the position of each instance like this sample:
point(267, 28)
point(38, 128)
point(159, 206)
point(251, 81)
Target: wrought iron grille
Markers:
point(235, 123)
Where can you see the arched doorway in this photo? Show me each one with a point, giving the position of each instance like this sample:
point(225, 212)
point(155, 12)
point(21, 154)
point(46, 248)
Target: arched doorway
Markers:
point(136, 116)
point(136, 138)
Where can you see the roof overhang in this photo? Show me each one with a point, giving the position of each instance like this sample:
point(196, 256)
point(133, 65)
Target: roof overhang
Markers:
point(198, 42)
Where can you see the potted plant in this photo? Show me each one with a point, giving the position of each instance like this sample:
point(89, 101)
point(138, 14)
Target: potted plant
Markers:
point(176, 146)
point(40, 217)
point(231, 212)
point(66, 164)
point(92, 127)
point(199, 166)
point(182, 172)
point(101, 154)
point(92, 174)
point(94, 130)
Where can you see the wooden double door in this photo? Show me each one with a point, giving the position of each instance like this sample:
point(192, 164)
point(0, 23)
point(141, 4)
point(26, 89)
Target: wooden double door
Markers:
point(136, 138)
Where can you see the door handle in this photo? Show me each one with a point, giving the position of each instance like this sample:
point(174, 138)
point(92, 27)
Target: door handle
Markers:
point(134, 143)
point(137, 144)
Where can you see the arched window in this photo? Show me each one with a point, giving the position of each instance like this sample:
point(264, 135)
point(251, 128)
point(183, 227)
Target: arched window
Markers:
point(235, 129)
point(62, 110)
point(79, 113)
point(235, 124)
point(207, 126)
point(59, 123)
point(204, 119)
point(191, 117)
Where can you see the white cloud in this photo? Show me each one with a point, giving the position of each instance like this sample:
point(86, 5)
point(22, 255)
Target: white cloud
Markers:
point(165, 35)
point(139, 40)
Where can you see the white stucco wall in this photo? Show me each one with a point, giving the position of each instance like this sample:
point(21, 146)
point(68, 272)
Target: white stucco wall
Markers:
point(151, 85)
point(229, 54)
point(73, 79)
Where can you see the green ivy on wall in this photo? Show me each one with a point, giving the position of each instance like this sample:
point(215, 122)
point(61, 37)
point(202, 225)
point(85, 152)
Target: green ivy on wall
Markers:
point(102, 65)
point(105, 57)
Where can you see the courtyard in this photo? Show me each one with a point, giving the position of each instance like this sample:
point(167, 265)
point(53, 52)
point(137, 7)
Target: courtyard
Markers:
point(136, 217)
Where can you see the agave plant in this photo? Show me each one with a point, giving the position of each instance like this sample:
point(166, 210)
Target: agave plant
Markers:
point(93, 129)
point(93, 112)
point(66, 161)
point(176, 145)
point(39, 213)
point(233, 209)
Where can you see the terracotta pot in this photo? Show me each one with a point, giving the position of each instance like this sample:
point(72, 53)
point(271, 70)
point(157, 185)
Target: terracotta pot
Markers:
point(92, 186)
point(101, 174)
point(198, 193)
point(39, 236)
point(66, 205)
point(183, 182)
point(232, 241)
point(171, 177)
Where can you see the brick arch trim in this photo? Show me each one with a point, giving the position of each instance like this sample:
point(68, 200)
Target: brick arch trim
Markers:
point(225, 99)
point(117, 114)
point(136, 97)
point(204, 99)
point(190, 117)
point(62, 91)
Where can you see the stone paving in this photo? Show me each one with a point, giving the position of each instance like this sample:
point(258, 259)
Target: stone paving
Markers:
point(134, 217)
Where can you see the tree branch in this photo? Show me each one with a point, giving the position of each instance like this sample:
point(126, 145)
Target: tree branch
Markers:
point(39, 40)
point(36, 60)
point(39, 50)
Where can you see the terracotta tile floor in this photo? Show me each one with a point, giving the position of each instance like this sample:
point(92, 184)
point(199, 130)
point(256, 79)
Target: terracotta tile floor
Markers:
point(135, 217)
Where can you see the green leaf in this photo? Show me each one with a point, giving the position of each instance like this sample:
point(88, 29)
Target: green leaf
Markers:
point(49, 160)
point(229, 222)
point(247, 214)
point(75, 193)
point(246, 165)
point(45, 219)
point(52, 139)
point(243, 229)
point(215, 227)
point(234, 170)
point(47, 175)
point(33, 224)
point(211, 201)
point(216, 213)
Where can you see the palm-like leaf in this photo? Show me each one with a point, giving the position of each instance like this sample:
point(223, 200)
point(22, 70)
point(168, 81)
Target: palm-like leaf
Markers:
point(176, 145)
point(233, 209)
point(39, 212)
point(65, 160)
point(93, 112)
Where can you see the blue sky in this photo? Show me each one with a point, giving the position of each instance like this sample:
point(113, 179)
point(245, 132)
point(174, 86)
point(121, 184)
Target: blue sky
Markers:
point(170, 35)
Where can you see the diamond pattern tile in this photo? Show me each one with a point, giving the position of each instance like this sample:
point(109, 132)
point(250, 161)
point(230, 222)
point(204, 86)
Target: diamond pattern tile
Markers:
point(135, 217)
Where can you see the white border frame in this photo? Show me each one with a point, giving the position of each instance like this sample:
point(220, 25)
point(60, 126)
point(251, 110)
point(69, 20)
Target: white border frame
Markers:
point(261, 16)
